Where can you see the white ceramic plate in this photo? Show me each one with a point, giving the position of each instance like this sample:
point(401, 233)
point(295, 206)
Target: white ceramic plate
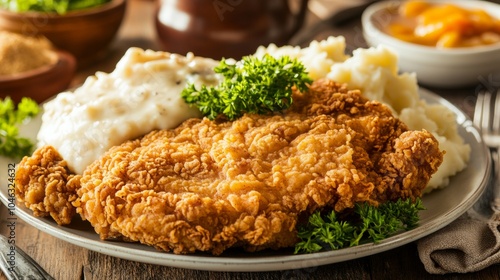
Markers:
point(443, 206)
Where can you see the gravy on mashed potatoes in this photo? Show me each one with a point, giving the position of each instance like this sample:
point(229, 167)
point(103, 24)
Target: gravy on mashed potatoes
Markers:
point(143, 93)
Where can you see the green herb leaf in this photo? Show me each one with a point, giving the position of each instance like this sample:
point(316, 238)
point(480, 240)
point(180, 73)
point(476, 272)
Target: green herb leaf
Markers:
point(57, 6)
point(366, 224)
point(11, 144)
point(253, 85)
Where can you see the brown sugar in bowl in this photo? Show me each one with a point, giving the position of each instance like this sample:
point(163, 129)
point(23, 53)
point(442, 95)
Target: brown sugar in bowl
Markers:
point(84, 33)
point(42, 83)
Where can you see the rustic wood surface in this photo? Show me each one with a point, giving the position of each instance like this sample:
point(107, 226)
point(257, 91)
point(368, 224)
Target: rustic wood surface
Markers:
point(66, 261)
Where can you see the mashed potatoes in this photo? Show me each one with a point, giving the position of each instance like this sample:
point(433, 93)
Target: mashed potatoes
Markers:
point(140, 95)
point(375, 72)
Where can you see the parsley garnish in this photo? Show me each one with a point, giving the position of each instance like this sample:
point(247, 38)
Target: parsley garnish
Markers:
point(366, 224)
point(11, 144)
point(58, 6)
point(253, 85)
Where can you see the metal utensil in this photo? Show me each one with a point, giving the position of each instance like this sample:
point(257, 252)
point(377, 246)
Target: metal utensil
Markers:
point(487, 119)
point(17, 265)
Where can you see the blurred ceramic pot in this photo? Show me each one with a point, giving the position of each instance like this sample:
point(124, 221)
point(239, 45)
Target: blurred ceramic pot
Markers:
point(226, 28)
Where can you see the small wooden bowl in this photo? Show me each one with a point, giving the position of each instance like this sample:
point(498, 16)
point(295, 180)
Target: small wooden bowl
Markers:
point(84, 33)
point(42, 83)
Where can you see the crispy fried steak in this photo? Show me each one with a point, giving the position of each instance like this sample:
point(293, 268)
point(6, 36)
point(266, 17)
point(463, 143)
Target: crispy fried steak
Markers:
point(210, 185)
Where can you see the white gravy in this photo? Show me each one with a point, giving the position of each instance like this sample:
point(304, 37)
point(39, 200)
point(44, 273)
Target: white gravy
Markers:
point(142, 94)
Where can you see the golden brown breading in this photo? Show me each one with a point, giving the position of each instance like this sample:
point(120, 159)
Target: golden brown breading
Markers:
point(210, 185)
point(45, 185)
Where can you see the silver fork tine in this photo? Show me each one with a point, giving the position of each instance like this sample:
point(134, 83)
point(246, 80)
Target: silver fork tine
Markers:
point(496, 116)
point(478, 111)
point(485, 122)
point(486, 116)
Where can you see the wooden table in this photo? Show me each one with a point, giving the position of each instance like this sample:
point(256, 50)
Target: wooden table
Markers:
point(66, 261)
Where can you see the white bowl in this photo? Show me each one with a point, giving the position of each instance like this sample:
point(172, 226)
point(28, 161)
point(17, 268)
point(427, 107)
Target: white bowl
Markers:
point(444, 68)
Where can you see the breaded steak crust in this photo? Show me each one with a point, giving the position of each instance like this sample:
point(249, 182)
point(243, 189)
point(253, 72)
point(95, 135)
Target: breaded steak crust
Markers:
point(210, 185)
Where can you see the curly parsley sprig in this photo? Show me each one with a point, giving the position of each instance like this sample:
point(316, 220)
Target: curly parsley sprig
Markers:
point(11, 144)
point(253, 85)
point(367, 224)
